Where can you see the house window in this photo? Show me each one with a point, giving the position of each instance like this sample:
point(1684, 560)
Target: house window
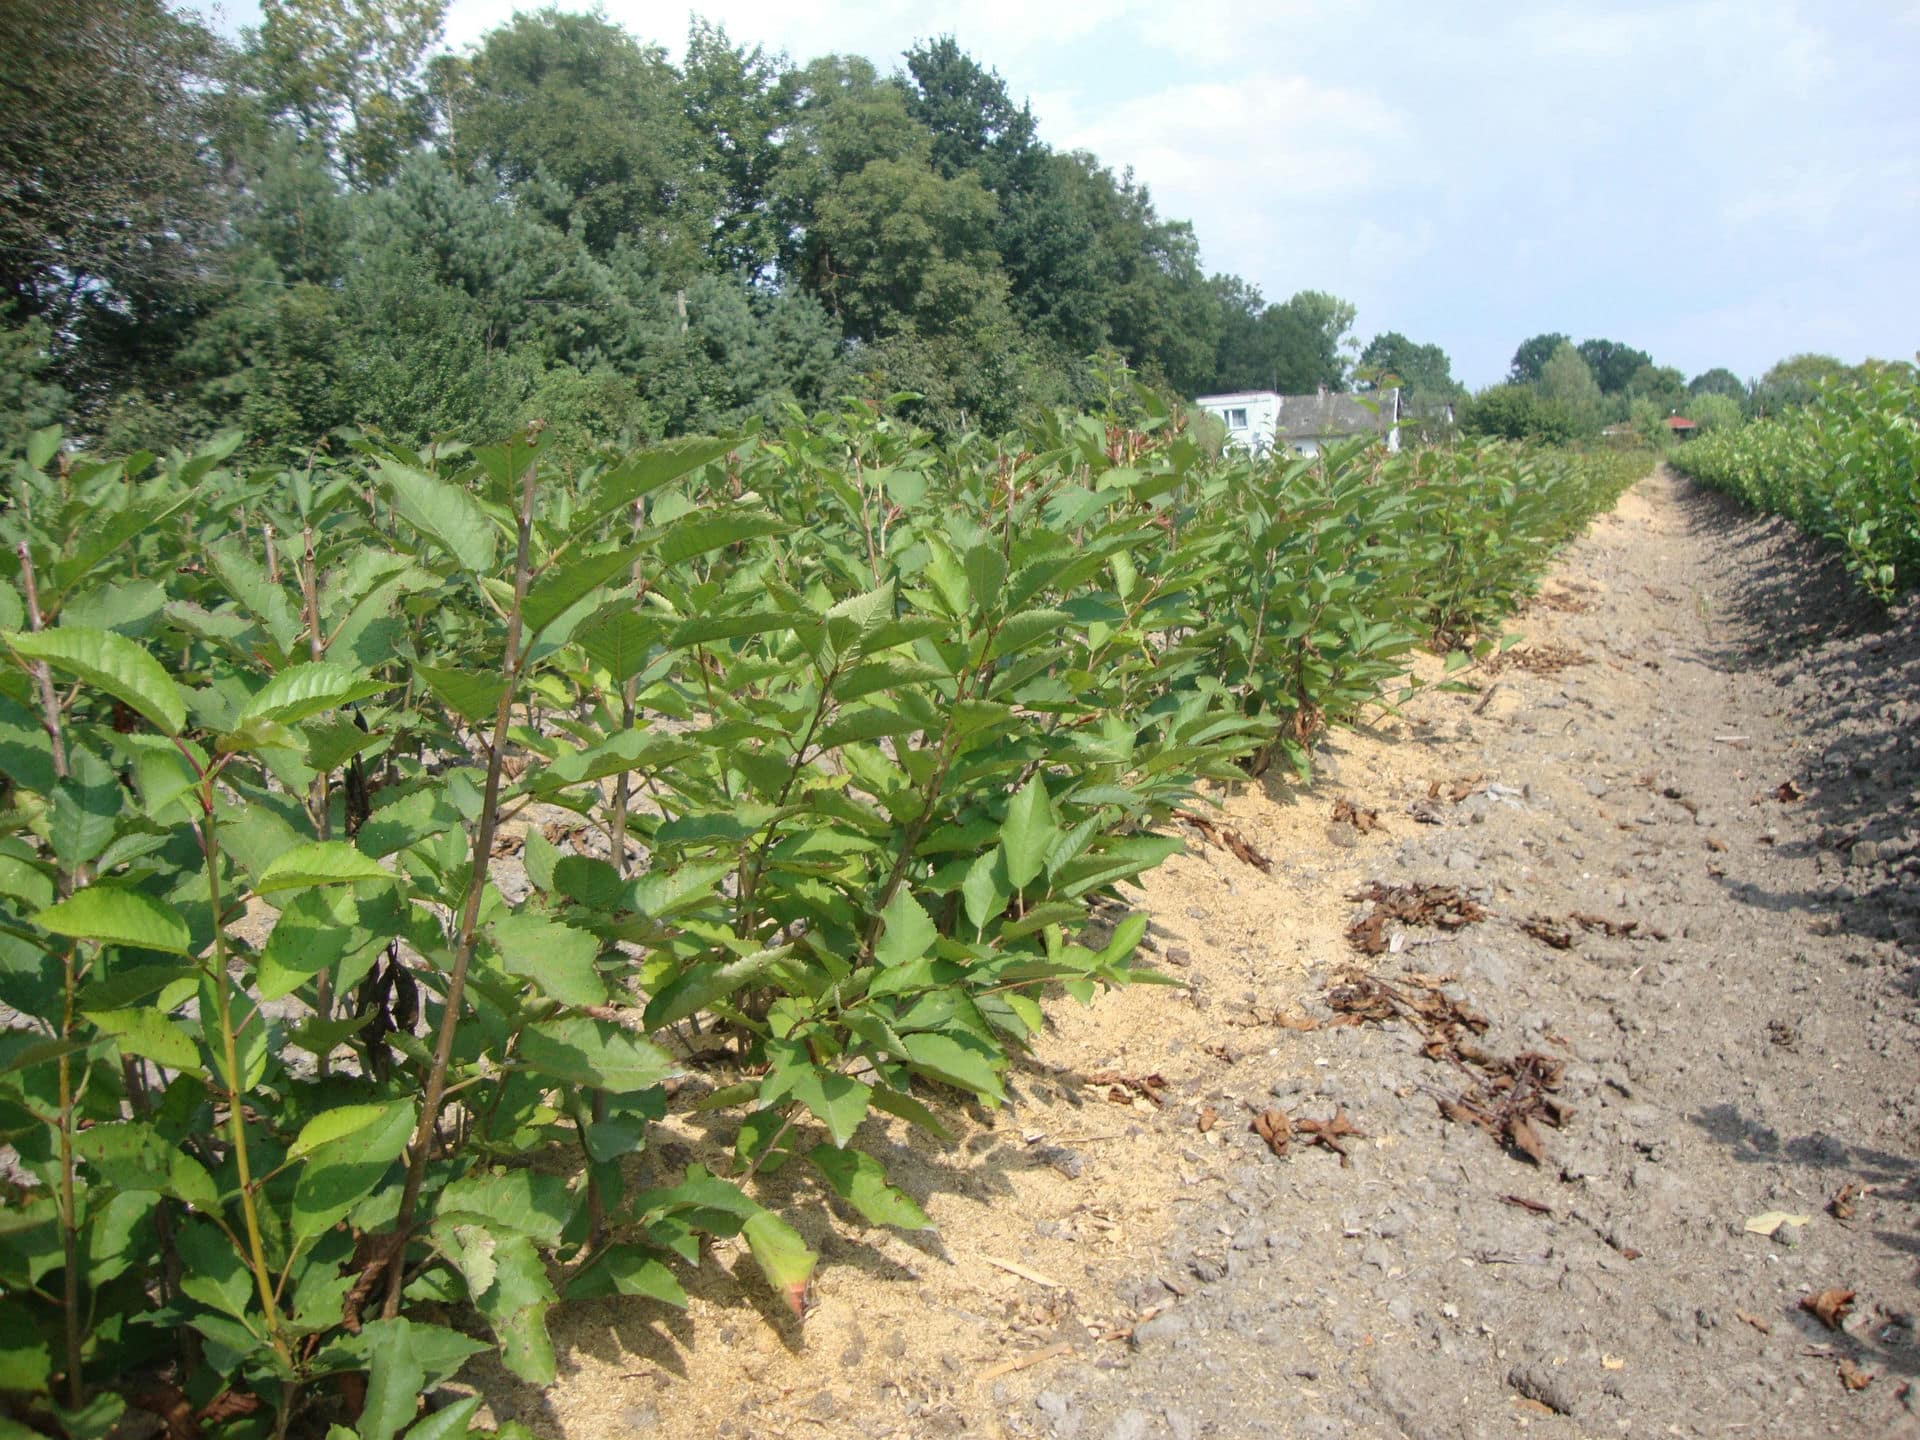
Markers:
point(1236, 419)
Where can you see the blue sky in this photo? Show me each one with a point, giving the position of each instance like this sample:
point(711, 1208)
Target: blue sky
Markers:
point(1719, 183)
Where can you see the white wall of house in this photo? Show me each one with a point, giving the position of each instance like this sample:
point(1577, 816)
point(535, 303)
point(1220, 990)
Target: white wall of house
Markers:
point(1250, 417)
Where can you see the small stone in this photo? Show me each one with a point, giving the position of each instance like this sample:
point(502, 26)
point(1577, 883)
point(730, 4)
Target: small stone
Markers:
point(1164, 1326)
point(1132, 1425)
point(1864, 852)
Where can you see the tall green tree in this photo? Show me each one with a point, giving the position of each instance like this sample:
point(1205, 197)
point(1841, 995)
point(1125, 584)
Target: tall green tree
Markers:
point(110, 206)
point(347, 75)
point(1796, 381)
point(1423, 371)
point(589, 129)
point(735, 100)
point(1719, 381)
point(1568, 386)
point(1612, 364)
point(1532, 356)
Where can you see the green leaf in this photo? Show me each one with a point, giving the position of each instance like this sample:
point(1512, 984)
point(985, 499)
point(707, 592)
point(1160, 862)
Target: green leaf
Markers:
point(111, 663)
point(783, 1257)
point(395, 1382)
point(622, 643)
point(1028, 833)
point(306, 690)
point(838, 1101)
point(986, 573)
point(444, 513)
point(958, 1060)
point(702, 530)
point(645, 471)
point(557, 958)
point(1017, 632)
point(860, 1180)
point(345, 1159)
point(473, 695)
point(628, 1270)
point(987, 888)
point(594, 1053)
point(25, 882)
point(111, 915)
point(558, 591)
point(699, 986)
point(317, 929)
point(517, 1306)
point(151, 1036)
point(407, 820)
point(319, 862)
point(908, 932)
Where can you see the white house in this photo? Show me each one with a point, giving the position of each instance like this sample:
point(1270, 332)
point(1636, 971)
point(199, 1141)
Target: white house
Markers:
point(1261, 420)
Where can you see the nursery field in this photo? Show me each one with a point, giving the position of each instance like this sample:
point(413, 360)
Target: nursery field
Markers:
point(391, 845)
point(1846, 468)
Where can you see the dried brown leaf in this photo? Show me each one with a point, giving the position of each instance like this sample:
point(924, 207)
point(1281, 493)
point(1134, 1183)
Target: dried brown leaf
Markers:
point(1829, 1306)
point(1853, 1377)
point(1276, 1129)
point(1524, 1139)
point(1209, 1117)
point(1841, 1205)
point(1755, 1321)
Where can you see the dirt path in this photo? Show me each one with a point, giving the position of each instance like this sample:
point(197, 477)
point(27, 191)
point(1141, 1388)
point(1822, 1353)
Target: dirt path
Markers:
point(1723, 780)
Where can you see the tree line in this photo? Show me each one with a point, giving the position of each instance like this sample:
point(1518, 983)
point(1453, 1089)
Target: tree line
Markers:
point(1558, 391)
point(332, 221)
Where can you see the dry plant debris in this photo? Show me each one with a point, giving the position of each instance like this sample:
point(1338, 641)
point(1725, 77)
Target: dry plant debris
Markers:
point(1559, 934)
point(1508, 1098)
point(1852, 1376)
point(1275, 1128)
point(1755, 1321)
point(1455, 790)
point(1841, 1206)
point(1830, 1306)
point(1209, 1117)
point(1122, 1089)
point(1330, 1132)
point(1229, 840)
point(1445, 907)
point(1362, 819)
point(1536, 659)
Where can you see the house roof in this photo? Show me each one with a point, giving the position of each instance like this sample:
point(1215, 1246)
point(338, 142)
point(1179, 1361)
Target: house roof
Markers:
point(1308, 417)
point(1680, 422)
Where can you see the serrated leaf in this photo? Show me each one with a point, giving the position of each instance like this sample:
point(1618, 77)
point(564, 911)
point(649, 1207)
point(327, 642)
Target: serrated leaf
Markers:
point(444, 513)
point(151, 1036)
point(1028, 833)
point(342, 1169)
point(861, 1181)
point(557, 958)
point(557, 591)
point(597, 1054)
point(473, 695)
point(907, 933)
point(108, 662)
point(783, 1257)
point(837, 1101)
point(961, 1061)
point(306, 690)
point(112, 915)
point(705, 984)
point(319, 862)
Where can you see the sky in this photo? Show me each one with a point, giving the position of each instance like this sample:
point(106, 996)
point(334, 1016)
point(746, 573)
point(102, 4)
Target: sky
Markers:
point(1717, 182)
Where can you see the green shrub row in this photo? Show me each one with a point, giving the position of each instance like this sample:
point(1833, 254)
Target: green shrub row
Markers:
point(1845, 467)
point(322, 1060)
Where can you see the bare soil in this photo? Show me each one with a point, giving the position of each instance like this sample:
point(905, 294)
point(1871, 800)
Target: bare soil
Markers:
point(1686, 805)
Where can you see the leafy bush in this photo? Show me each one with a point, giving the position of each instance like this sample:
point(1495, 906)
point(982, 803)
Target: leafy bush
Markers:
point(1845, 467)
point(326, 1053)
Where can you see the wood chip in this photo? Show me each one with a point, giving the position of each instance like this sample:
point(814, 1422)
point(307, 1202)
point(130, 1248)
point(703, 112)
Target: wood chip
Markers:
point(1024, 1362)
point(1025, 1274)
